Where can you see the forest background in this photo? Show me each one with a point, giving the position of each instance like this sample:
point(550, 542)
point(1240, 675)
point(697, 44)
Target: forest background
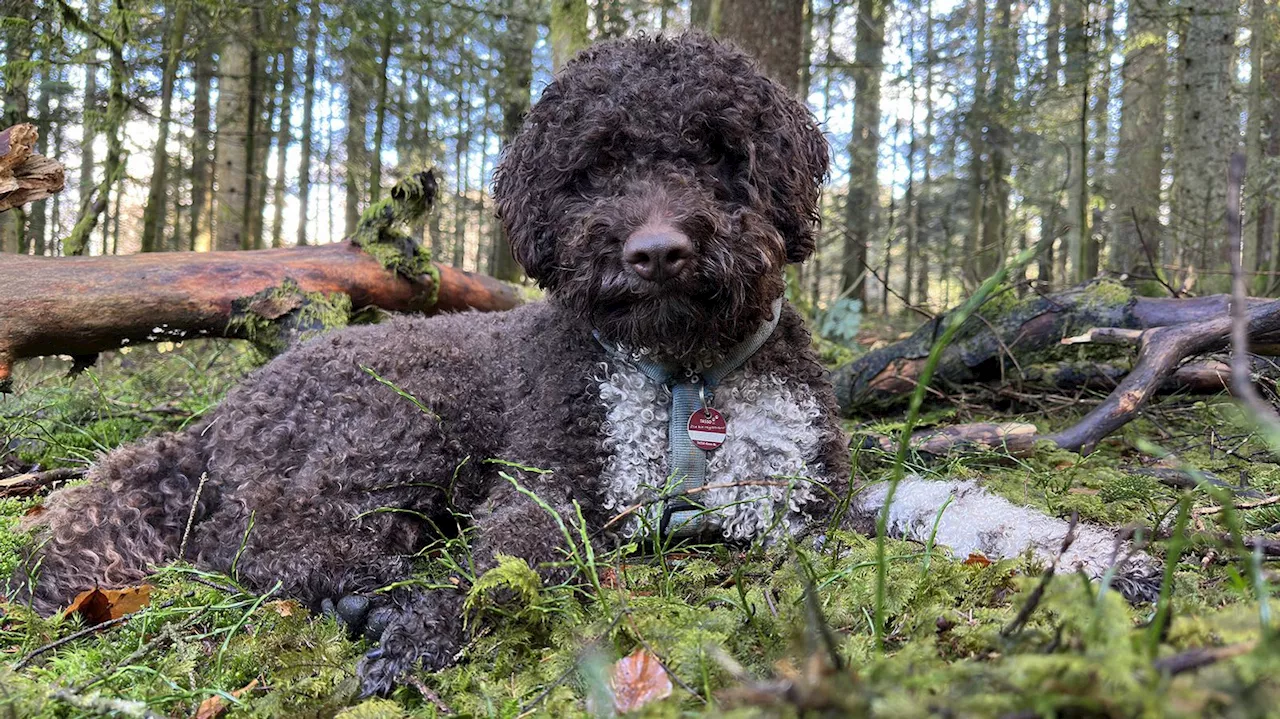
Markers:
point(962, 130)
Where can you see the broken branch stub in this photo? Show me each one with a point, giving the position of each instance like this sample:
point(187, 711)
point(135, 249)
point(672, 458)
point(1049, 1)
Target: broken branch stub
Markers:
point(25, 176)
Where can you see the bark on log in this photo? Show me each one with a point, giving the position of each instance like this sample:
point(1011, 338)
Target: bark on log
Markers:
point(85, 305)
point(1162, 349)
point(24, 175)
point(1007, 334)
point(1203, 376)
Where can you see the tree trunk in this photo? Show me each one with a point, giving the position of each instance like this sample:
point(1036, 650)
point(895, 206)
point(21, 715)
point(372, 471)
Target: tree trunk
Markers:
point(233, 144)
point(971, 268)
point(1101, 145)
point(358, 162)
point(153, 217)
point(1264, 120)
point(1004, 48)
point(284, 137)
point(262, 115)
point(1207, 135)
point(201, 230)
point(1077, 45)
point(568, 30)
point(308, 123)
point(380, 114)
point(113, 121)
point(864, 148)
point(1141, 144)
point(18, 33)
point(516, 83)
point(37, 226)
point(705, 15)
point(1050, 205)
point(89, 129)
point(773, 32)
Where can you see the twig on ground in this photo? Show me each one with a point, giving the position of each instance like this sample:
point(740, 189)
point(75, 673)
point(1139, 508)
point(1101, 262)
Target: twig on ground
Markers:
point(1267, 502)
point(414, 681)
point(1202, 657)
point(23, 485)
point(24, 661)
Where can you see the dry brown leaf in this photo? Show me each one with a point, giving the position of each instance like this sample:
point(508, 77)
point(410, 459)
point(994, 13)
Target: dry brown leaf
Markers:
point(213, 706)
point(977, 560)
point(101, 605)
point(285, 607)
point(638, 679)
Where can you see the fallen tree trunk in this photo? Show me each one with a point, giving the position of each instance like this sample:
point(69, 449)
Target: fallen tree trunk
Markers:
point(24, 175)
point(81, 306)
point(1161, 350)
point(1007, 334)
point(85, 305)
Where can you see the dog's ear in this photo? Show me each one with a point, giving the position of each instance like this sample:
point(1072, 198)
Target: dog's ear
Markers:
point(810, 164)
point(523, 216)
point(796, 168)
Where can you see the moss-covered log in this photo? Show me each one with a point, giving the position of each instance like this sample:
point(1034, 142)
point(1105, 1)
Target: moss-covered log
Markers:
point(85, 305)
point(1006, 334)
point(81, 306)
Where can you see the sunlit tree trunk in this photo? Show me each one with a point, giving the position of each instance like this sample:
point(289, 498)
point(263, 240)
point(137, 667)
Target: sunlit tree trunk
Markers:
point(1207, 134)
point(1264, 137)
point(380, 108)
point(1004, 48)
point(971, 265)
point(772, 31)
point(515, 87)
point(308, 122)
point(568, 30)
point(1077, 90)
point(153, 217)
point(15, 73)
point(284, 137)
point(201, 230)
point(864, 148)
point(233, 146)
point(1136, 186)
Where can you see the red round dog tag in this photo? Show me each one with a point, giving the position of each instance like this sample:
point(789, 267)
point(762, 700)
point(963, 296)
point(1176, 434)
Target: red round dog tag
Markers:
point(706, 429)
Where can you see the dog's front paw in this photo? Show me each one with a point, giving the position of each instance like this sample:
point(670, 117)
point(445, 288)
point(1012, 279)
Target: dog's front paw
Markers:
point(426, 630)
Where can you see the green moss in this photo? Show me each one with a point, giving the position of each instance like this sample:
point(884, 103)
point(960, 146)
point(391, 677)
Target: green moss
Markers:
point(544, 648)
point(1105, 293)
point(281, 316)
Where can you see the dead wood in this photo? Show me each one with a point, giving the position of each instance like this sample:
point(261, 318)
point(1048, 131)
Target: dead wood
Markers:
point(85, 305)
point(1161, 350)
point(1011, 334)
point(24, 175)
point(1014, 438)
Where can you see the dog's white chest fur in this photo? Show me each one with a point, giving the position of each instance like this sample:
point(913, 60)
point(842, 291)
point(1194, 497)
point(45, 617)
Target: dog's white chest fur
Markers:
point(772, 443)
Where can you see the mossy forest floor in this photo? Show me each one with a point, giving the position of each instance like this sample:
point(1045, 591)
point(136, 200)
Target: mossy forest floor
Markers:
point(780, 632)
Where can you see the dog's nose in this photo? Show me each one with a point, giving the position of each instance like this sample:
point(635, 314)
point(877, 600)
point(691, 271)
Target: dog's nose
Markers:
point(658, 254)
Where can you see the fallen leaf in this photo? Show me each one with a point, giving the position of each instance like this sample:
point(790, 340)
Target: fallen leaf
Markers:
point(638, 679)
point(977, 560)
point(34, 511)
point(101, 605)
point(213, 706)
point(285, 607)
point(1083, 490)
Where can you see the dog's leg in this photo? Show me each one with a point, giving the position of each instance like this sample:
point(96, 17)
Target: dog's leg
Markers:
point(108, 532)
point(978, 521)
point(427, 625)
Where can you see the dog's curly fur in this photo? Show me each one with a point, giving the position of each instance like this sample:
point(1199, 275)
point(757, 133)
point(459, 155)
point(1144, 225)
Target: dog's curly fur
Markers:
point(315, 475)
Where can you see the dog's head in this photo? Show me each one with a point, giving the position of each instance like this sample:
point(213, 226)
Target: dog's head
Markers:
point(659, 188)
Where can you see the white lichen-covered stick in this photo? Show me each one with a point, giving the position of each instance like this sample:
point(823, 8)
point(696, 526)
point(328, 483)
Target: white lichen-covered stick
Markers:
point(24, 175)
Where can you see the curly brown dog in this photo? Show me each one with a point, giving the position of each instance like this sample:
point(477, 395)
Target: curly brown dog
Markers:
point(657, 192)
